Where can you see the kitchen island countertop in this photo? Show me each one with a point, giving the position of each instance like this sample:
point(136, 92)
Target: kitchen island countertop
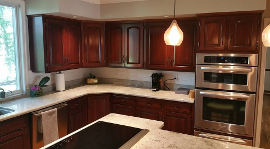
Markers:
point(157, 138)
point(29, 104)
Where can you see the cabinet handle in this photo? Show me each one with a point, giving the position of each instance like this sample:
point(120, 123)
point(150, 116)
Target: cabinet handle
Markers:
point(172, 61)
point(198, 43)
point(123, 59)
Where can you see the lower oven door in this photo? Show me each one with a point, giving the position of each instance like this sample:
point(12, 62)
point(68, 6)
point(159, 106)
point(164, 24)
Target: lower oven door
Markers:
point(227, 112)
point(226, 77)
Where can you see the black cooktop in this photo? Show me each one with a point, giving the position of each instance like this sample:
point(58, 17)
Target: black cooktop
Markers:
point(101, 135)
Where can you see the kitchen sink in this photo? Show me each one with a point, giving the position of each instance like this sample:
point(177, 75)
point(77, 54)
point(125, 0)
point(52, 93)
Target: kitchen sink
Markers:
point(4, 111)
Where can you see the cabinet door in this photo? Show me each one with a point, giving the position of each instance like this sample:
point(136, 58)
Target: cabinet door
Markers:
point(98, 106)
point(15, 134)
point(156, 49)
point(134, 45)
point(185, 53)
point(244, 33)
point(93, 44)
point(149, 114)
point(71, 44)
point(182, 124)
point(77, 114)
point(54, 51)
point(212, 33)
point(115, 45)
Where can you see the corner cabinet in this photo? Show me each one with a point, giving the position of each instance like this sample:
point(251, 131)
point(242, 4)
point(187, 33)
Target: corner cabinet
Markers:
point(15, 133)
point(233, 33)
point(125, 44)
point(161, 56)
point(93, 51)
point(54, 43)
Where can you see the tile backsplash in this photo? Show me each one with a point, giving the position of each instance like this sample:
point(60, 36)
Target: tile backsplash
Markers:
point(142, 77)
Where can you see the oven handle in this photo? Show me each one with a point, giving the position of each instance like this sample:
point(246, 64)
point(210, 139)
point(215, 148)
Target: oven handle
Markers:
point(233, 69)
point(235, 96)
point(223, 138)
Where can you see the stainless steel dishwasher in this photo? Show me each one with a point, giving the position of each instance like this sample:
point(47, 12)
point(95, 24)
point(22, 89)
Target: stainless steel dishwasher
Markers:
point(62, 118)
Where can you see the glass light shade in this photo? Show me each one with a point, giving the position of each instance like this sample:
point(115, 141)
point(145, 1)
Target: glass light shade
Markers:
point(173, 35)
point(266, 36)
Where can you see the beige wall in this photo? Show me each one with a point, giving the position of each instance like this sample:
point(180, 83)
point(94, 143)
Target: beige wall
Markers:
point(139, 9)
point(153, 8)
point(267, 10)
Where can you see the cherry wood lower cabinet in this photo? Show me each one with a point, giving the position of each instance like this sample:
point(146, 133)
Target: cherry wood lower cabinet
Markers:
point(15, 133)
point(98, 106)
point(178, 117)
point(77, 113)
point(122, 104)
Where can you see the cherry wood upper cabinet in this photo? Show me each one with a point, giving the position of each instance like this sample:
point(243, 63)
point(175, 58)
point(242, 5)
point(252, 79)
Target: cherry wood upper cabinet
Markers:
point(54, 55)
point(93, 44)
point(133, 45)
point(156, 49)
point(185, 53)
point(54, 43)
point(212, 33)
point(125, 44)
point(115, 44)
point(231, 33)
point(244, 31)
point(71, 44)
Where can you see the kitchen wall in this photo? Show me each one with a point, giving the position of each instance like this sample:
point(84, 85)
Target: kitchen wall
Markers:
point(138, 9)
point(142, 77)
point(152, 8)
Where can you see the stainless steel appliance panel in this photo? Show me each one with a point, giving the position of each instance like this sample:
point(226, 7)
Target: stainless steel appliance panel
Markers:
point(227, 59)
point(227, 112)
point(62, 117)
point(223, 138)
point(237, 78)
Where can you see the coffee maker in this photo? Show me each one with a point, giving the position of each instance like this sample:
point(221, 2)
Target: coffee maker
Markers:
point(156, 81)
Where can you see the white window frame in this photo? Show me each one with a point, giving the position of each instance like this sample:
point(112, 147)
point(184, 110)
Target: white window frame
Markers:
point(21, 48)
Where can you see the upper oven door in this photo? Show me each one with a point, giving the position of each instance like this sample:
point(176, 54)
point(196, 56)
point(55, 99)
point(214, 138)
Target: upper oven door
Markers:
point(226, 112)
point(226, 77)
point(227, 59)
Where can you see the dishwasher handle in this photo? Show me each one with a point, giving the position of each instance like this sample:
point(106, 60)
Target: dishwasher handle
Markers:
point(58, 107)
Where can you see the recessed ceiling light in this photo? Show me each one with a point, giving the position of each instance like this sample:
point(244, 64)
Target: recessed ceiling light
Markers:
point(74, 17)
point(166, 16)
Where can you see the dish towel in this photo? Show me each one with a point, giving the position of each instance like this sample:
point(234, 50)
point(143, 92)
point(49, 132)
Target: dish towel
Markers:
point(49, 126)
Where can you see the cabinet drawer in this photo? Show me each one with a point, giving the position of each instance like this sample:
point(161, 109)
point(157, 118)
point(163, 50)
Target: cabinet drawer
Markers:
point(123, 100)
point(184, 108)
point(148, 103)
point(122, 109)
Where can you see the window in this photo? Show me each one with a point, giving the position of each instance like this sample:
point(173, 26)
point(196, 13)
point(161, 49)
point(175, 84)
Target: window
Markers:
point(10, 58)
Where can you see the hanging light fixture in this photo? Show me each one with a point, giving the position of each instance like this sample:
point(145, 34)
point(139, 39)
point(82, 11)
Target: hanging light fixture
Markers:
point(266, 36)
point(174, 35)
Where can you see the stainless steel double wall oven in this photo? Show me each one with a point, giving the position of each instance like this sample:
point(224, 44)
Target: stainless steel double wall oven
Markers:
point(225, 96)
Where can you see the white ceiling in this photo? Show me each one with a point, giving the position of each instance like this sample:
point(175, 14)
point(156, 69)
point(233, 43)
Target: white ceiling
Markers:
point(109, 1)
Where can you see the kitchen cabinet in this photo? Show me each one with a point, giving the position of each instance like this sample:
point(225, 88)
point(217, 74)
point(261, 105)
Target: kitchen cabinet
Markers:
point(212, 33)
point(98, 106)
point(122, 104)
point(178, 117)
point(244, 33)
point(54, 43)
point(233, 33)
point(148, 108)
point(125, 44)
point(77, 113)
point(161, 56)
point(93, 53)
point(15, 133)
point(156, 49)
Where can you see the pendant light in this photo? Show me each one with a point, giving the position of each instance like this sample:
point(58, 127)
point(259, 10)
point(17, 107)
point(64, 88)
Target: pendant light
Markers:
point(174, 35)
point(266, 36)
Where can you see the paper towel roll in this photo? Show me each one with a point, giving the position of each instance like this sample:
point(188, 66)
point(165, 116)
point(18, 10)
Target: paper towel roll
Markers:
point(60, 81)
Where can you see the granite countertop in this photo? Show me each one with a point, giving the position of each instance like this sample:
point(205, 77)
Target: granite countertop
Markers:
point(27, 105)
point(157, 138)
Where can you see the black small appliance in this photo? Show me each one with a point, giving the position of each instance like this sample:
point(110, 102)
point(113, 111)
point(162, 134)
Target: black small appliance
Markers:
point(156, 80)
